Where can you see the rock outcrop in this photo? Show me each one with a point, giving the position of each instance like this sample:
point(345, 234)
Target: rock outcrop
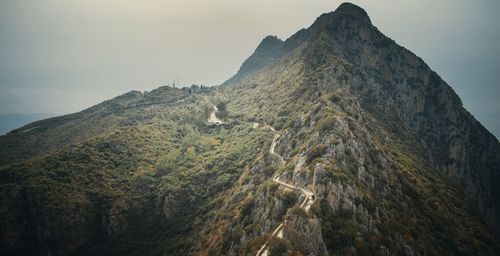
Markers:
point(396, 165)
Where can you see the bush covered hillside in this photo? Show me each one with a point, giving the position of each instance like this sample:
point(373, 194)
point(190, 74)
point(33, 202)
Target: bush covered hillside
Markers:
point(336, 141)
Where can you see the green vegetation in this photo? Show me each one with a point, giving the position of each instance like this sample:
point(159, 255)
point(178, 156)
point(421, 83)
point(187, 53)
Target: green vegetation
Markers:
point(315, 152)
point(222, 112)
point(326, 123)
point(144, 174)
point(299, 211)
point(338, 228)
point(155, 178)
point(279, 246)
point(334, 174)
point(289, 198)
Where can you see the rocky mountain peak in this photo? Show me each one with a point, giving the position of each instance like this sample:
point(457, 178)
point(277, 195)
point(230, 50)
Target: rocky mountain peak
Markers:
point(270, 48)
point(269, 43)
point(351, 10)
point(337, 141)
point(345, 12)
point(348, 22)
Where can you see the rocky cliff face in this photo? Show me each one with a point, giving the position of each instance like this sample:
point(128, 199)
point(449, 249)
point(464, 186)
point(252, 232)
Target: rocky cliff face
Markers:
point(389, 131)
point(393, 163)
point(395, 85)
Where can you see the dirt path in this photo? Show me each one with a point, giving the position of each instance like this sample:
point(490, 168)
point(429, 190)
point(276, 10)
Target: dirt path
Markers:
point(306, 204)
point(212, 119)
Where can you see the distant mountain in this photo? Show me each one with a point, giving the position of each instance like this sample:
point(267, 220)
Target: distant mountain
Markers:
point(335, 141)
point(9, 122)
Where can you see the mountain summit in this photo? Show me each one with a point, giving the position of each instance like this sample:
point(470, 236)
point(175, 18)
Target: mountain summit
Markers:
point(345, 10)
point(269, 49)
point(335, 141)
point(346, 18)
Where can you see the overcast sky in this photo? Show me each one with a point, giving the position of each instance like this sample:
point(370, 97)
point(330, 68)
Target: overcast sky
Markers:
point(61, 56)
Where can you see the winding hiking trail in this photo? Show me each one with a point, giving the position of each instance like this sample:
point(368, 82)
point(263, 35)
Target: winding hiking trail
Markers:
point(306, 204)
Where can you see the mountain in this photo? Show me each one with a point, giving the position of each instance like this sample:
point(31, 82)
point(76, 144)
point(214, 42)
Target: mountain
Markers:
point(335, 141)
point(9, 122)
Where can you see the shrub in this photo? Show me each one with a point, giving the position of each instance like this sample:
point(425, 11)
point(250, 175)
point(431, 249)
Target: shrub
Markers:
point(278, 246)
point(325, 123)
point(335, 98)
point(268, 171)
point(315, 152)
point(222, 112)
point(247, 205)
point(289, 198)
point(190, 154)
point(338, 228)
point(299, 211)
point(280, 124)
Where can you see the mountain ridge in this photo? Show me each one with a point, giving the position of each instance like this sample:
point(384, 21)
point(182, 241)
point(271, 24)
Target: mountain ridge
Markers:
point(395, 164)
point(350, 24)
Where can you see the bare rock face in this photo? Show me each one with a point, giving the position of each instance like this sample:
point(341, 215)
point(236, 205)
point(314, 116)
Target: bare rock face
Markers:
point(390, 161)
point(398, 87)
point(379, 138)
point(344, 50)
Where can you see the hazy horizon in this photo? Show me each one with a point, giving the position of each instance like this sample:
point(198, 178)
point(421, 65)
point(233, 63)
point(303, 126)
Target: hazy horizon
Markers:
point(64, 56)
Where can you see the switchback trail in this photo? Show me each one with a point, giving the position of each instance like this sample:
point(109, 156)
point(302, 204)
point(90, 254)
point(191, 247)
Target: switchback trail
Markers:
point(306, 204)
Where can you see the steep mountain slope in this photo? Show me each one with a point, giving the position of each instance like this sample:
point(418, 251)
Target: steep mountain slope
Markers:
point(381, 115)
point(344, 50)
point(394, 163)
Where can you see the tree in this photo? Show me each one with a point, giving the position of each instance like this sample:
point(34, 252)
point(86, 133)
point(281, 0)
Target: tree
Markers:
point(190, 154)
point(278, 246)
point(168, 162)
point(222, 112)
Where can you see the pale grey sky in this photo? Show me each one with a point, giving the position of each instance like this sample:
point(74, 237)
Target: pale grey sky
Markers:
point(61, 56)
